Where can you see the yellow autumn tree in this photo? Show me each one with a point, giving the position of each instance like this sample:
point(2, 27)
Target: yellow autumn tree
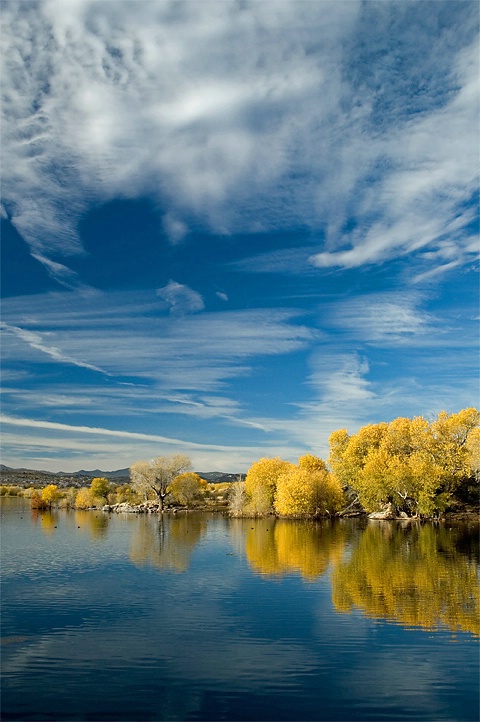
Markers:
point(304, 492)
point(84, 499)
point(411, 464)
point(100, 487)
point(348, 453)
point(472, 447)
point(187, 488)
point(50, 495)
point(261, 483)
point(46, 498)
point(450, 445)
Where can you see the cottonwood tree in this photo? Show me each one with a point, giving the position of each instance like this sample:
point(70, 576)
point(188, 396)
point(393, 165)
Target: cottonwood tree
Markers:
point(100, 486)
point(84, 499)
point(414, 465)
point(46, 498)
point(188, 487)
point(261, 483)
point(308, 489)
point(155, 476)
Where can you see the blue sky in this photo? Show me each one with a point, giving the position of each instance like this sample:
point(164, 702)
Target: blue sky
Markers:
point(230, 228)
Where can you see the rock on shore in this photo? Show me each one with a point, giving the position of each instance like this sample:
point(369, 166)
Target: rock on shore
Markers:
point(146, 507)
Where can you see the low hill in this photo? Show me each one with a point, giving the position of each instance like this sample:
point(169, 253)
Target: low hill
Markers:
point(33, 477)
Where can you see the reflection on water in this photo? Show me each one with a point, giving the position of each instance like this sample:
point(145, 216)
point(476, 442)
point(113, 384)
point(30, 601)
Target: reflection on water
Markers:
point(48, 520)
point(95, 523)
point(280, 546)
point(257, 626)
point(167, 542)
point(416, 575)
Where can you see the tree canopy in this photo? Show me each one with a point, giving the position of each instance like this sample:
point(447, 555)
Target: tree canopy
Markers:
point(155, 476)
point(100, 486)
point(412, 464)
point(278, 486)
point(187, 488)
point(261, 483)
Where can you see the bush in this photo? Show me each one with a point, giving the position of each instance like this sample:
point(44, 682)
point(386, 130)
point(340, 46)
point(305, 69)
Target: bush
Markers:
point(10, 490)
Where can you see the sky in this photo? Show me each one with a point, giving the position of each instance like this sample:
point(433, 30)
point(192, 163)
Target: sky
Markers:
point(230, 228)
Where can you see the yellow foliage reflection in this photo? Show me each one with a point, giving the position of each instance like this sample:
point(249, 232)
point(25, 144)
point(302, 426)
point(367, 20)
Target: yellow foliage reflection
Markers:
point(167, 542)
point(48, 520)
point(95, 523)
point(281, 546)
point(414, 575)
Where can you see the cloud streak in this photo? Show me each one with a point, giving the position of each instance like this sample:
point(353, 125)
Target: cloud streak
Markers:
point(128, 335)
point(36, 342)
point(54, 426)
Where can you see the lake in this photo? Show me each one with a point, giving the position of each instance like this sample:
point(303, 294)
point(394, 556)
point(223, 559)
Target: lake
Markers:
point(201, 617)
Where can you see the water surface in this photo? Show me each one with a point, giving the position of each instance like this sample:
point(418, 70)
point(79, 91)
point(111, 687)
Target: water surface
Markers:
point(199, 617)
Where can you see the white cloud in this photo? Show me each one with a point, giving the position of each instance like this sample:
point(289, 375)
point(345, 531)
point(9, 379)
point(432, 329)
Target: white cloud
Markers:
point(53, 426)
point(35, 341)
point(58, 446)
point(421, 200)
point(126, 335)
point(61, 273)
point(285, 260)
point(181, 298)
point(386, 318)
point(434, 273)
point(339, 379)
point(240, 117)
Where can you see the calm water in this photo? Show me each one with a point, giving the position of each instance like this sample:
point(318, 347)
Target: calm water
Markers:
point(198, 617)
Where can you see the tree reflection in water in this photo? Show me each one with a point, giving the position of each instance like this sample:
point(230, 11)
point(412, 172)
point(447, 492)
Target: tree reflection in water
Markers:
point(167, 542)
point(416, 575)
point(48, 520)
point(420, 575)
point(280, 546)
point(96, 523)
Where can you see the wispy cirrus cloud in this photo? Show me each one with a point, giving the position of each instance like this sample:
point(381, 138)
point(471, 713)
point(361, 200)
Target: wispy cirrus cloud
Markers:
point(60, 446)
point(425, 196)
point(158, 365)
point(129, 335)
point(389, 318)
point(187, 106)
point(61, 273)
point(36, 341)
point(98, 431)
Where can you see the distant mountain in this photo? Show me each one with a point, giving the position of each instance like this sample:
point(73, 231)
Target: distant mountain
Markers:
point(24, 470)
point(82, 472)
point(99, 472)
point(219, 477)
point(214, 477)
